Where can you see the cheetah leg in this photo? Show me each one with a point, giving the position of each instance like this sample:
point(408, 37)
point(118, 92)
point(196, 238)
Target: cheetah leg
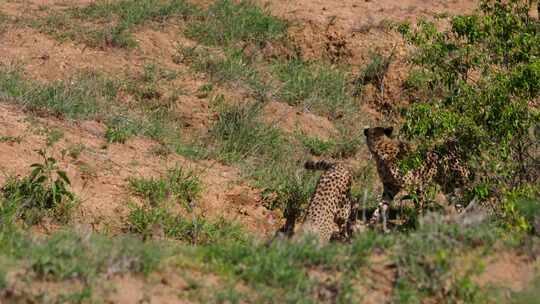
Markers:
point(381, 211)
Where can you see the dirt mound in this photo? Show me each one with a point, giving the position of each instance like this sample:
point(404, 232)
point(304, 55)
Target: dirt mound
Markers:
point(99, 175)
point(509, 269)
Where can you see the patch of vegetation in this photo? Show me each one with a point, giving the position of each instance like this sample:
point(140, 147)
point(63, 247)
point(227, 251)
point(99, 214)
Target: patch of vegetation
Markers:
point(226, 23)
point(374, 73)
point(120, 129)
point(344, 145)
point(158, 221)
point(105, 23)
point(284, 266)
point(232, 67)
point(44, 192)
point(156, 217)
point(11, 139)
point(4, 19)
point(177, 185)
point(530, 294)
point(520, 208)
point(319, 88)
point(239, 134)
point(74, 151)
point(68, 257)
point(478, 87)
point(84, 96)
point(426, 261)
point(93, 96)
point(317, 146)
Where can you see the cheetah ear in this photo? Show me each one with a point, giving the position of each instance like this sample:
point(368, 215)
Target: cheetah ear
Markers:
point(388, 131)
point(366, 131)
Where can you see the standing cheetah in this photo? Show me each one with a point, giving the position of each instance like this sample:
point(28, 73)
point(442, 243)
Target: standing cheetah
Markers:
point(331, 207)
point(446, 170)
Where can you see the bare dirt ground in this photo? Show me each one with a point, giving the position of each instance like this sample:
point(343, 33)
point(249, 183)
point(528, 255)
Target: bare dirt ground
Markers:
point(99, 176)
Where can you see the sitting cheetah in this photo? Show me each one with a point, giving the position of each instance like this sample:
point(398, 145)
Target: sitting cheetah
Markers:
point(331, 207)
point(446, 171)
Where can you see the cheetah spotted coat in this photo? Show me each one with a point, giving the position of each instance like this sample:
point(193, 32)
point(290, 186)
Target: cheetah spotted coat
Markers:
point(331, 207)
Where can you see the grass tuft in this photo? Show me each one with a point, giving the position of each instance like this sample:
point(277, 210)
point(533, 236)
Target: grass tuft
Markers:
point(226, 23)
point(177, 185)
point(318, 88)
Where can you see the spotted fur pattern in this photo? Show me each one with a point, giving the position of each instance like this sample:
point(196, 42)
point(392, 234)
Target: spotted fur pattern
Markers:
point(331, 207)
point(447, 171)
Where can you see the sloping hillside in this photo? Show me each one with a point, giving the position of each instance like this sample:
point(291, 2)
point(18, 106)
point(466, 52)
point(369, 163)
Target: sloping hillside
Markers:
point(183, 127)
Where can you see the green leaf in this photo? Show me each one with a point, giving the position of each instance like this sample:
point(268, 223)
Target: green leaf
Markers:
point(64, 177)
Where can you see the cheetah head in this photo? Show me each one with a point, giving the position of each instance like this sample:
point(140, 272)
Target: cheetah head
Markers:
point(375, 135)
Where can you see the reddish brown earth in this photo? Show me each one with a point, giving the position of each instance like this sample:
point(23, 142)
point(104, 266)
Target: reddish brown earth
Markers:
point(99, 176)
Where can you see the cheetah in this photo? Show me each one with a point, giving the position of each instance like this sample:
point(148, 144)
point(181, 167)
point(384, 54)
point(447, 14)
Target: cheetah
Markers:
point(447, 171)
point(331, 208)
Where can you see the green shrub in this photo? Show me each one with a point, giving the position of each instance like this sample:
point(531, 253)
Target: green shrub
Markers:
point(44, 192)
point(476, 83)
point(520, 208)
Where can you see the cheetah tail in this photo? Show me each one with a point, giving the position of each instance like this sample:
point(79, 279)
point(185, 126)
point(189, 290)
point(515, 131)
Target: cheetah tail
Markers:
point(319, 165)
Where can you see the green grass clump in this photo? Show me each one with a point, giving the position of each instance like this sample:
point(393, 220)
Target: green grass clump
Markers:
point(4, 19)
point(177, 185)
point(227, 22)
point(426, 261)
point(11, 139)
point(107, 23)
point(232, 68)
point(158, 221)
point(317, 146)
point(319, 88)
point(86, 96)
point(120, 129)
point(280, 270)
point(66, 255)
point(156, 214)
point(239, 134)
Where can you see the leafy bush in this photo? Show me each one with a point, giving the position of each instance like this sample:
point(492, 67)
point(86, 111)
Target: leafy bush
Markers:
point(44, 192)
point(482, 75)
